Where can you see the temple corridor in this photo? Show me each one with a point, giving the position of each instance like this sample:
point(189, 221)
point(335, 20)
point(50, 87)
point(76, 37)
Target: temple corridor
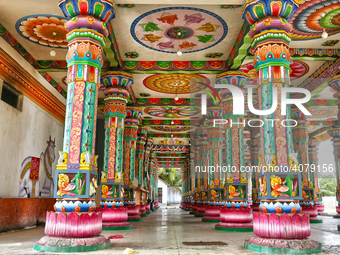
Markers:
point(164, 232)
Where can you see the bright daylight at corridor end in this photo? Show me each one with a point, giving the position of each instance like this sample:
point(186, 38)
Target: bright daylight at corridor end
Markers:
point(170, 127)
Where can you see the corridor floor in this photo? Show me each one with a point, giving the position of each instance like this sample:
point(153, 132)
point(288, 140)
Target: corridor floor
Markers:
point(164, 232)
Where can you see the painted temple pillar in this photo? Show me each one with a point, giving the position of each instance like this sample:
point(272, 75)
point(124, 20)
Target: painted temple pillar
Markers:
point(141, 141)
point(116, 92)
point(74, 226)
point(300, 139)
point(279, 227)
point(204, 153)
point(236, 215)
point(146, 172)
point(215, 174)
point(313, 151)
point(131, 123)
point(334, 132)
point(200, 207)
point(192, 178)
point(254, 145)
point(151, 187)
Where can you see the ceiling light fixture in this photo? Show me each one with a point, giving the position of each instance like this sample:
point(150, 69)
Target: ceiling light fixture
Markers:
point(179, 52)
point(172, 122)
point(324, 34)
point(52, 52)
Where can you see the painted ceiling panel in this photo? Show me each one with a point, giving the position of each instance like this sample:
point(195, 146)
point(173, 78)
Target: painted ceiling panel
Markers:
point(144, 30)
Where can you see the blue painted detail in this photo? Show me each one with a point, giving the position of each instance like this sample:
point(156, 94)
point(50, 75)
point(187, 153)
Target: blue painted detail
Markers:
point(135, 22)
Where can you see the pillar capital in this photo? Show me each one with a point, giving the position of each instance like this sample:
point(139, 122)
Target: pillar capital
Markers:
point(237, 78)
point(256, 10)
point(100, 9)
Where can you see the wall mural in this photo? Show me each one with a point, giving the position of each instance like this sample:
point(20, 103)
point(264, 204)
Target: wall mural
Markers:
point(176, 83)
point(312, 17)
point(39, 29)
point(173, 28)
point(299, 69)
point(36, 174)
point(171, 112)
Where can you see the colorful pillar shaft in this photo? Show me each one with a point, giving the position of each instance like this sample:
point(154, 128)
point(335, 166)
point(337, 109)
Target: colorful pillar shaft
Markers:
point(215, 139)
point(116, 91)
point(236, 185)
point(142, 136)
point(300, 139)
point(132, 119)
point(270, 45)
point(76, 174)
point(146, 174)
point(313, 151)
point(334, 132)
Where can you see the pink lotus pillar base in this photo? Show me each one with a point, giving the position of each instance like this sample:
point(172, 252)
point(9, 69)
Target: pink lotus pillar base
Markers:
point(134, 213)
point(212, 214)
point(282, 246)
point(200, 211)
point(256, 207)
point(337, 208)
point(143, 211)
point(235, 220)
point(282, 234)
point(115, 218)
point(313, 213)
point(72, 233)
point(194, 209)
point(320, 208)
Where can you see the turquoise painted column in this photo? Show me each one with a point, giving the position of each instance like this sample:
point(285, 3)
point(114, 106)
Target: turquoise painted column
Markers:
point(117, 85)
point(280, 190)
point(74, 226)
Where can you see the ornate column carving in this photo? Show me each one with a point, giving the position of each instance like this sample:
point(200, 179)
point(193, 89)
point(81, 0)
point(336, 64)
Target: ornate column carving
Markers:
point(116, 93)
point(313, 150)
point(132, 120)
point(280, 191)
point(74, 227)
point(236, 186)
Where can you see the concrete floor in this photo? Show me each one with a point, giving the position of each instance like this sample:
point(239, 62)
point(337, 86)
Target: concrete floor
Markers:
point(164, 232)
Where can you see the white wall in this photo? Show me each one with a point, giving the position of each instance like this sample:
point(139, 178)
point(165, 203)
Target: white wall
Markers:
point(175, 195)
point(164, 186)
point(22, 134)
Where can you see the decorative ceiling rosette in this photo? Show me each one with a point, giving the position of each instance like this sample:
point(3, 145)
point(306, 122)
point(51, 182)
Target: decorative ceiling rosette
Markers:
point(173, 28)
point(40, 29)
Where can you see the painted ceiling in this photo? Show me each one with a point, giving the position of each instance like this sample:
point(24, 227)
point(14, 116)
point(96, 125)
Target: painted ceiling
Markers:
point(212, 37)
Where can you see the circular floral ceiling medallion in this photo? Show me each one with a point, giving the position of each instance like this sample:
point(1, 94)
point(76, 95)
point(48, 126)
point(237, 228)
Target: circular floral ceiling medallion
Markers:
point(171, 112)
point(170, 128)
point(40, 29)
point(314, 16)
point(173, 28)
point(176, 83)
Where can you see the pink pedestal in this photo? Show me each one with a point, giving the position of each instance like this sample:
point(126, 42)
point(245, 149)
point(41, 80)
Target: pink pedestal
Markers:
point(283, 226)
point(320, 208)
point(142, 209)
point(134, 213)
point(147, 207)
point(114, 217)
point(313, 213)
point(233, 219)
point(337, 208)
point(72, 232)
point(282, 234)
point(212, 213)
point(201, 210)
point(256, 207)
point(194, 208)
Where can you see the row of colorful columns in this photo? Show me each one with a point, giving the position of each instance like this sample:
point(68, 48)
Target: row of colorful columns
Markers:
point(280, 221)
point(76, 224)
